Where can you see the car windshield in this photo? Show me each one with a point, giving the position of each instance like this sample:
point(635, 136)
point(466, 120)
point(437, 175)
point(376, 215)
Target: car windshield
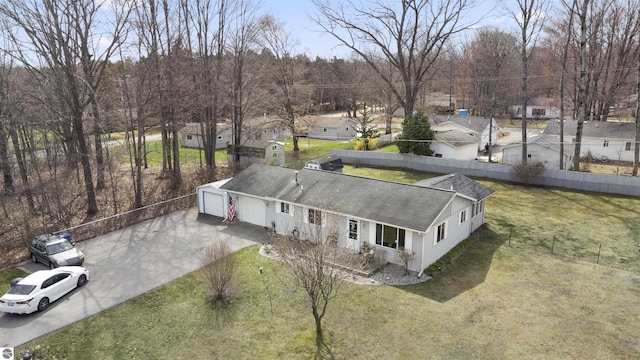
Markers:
point(59, 247)
point(19, 289)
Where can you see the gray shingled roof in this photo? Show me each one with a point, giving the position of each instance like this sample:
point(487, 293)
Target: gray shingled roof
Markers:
point(402, 205)
point(329, 121)
point(594, 129)
point(331, 162)
point(459, 183)
point(455, 138)
point(550, 142)
point(475, 123)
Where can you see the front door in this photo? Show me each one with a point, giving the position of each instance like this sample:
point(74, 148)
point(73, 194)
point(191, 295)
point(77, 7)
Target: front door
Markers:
point(353, 236)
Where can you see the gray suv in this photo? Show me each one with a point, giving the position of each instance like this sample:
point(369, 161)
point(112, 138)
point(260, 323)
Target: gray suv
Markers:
point(55, 250)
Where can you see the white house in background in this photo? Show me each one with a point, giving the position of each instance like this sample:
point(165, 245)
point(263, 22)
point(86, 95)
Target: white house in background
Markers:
point(259, 152)
point(452, 143)
point(545, 149)
point(485, 131)
point(428, 218)
point(538, 108)
point(331, 128)
point(191, 136)
point(613, 140)
point(265, 128)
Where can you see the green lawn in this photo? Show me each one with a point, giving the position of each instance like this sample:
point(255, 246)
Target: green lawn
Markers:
point(311, 149)
point(506, 297)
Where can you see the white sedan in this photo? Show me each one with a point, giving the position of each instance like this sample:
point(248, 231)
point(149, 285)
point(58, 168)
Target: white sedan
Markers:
point(36, 291)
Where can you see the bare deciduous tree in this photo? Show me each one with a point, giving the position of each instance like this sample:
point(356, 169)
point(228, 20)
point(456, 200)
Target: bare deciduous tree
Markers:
point(283, 78)
point(529, 16)
point(311, 266)
point(219, 267)
point(409, 35)
point(242, 41)
point(61, 35)
point(636, 150)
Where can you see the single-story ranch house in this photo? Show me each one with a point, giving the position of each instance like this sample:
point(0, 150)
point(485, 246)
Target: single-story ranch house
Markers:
point(545, 149)
point(331, 128)
point(476, 126)
point(428, 218)
point(610, 139)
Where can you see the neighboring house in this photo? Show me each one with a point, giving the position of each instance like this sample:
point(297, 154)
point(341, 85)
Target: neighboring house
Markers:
point(476, 126)
point(331, 128)
point(191, 136)
point(613, 140)
point(545, 149)
point(265, 128)
point(538, 108)
point(327, 163)
point(451, 143)
point(428, 218)
point(260, 152)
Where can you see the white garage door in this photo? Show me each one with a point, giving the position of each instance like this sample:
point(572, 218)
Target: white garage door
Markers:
point(213, 204)
point(252, 210)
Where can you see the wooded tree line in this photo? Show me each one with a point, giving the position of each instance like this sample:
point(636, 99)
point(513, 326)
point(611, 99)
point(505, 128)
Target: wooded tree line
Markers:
point(74, 71)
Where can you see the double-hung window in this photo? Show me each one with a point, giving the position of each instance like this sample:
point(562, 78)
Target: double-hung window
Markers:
point(284, 208)
point(315, 217)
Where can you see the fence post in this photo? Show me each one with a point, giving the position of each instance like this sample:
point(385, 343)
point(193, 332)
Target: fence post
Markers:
point(553, 244)
point(599, 248)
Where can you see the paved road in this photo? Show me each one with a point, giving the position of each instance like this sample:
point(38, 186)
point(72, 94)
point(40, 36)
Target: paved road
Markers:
point(127, 263)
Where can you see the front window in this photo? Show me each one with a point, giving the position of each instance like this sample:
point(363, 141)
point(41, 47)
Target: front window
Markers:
point(324, 130)
point(441, 232)
point(353, 229)
point(315, 217)
point(284, 208)
point(627, 146)
point(189, 137)
point(539, 112)
point(390, 236)
point(606, 143)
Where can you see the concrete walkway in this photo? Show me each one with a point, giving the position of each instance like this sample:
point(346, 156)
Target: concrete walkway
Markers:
point(127, 263)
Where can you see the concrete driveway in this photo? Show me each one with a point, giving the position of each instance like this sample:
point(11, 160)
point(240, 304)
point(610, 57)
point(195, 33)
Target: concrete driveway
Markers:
point(127, 263)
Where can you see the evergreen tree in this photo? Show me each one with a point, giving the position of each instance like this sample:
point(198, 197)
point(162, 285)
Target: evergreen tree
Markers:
point(416, 135)
point(365, 126)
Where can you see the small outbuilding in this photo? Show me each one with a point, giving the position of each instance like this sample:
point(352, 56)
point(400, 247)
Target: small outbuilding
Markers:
point(327, 163)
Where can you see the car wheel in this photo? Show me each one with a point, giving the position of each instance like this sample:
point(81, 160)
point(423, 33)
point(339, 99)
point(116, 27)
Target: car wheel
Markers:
point(43, 304)
point(33, 258)
point(51, 266)
point(82, 280)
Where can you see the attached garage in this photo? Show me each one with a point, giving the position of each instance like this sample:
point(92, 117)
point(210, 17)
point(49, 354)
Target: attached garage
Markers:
point(211, 199)
point(252, 210)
